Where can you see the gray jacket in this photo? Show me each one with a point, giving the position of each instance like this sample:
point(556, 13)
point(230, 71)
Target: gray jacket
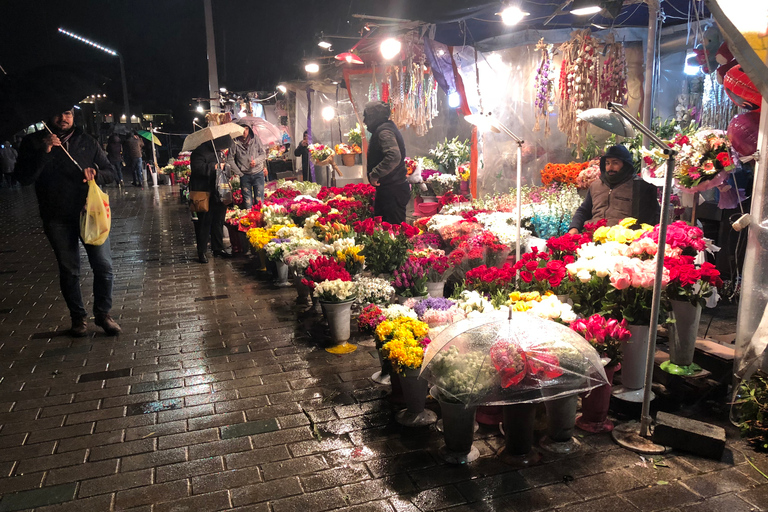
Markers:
point(241, 153)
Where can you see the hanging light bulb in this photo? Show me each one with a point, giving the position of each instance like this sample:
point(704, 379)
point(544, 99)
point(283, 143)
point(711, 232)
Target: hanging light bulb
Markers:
point(312, 67)
point(328, 113)
point(454, 100)
point(281, 88)
point(390, 48)
point(584, 7)
point(512, 16)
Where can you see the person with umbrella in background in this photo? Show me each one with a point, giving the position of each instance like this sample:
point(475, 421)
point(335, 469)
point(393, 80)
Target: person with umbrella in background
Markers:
point(132, 153)
point(61, 189)
point(205, 162)
point(115, 155)
point(248, 160)
point(386, 164)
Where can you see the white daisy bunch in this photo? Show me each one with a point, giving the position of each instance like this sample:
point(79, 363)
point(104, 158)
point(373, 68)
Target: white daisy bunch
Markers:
point(397, 310)
point(335, 290)
point(373, 290)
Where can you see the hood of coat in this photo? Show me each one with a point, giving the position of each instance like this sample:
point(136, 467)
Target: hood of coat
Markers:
point(375, 113)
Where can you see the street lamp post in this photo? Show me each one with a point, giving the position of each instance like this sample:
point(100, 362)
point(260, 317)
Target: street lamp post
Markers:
point(126, 104)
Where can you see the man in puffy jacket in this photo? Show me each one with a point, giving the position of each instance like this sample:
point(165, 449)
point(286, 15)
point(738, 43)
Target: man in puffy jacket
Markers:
point(61, 193)
point(386, 164)
point(248, 160)
point(618, 194)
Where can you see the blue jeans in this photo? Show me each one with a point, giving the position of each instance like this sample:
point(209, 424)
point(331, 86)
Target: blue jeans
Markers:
point(252, 186)
point(64, 239)
point(118, 165)
point(135, 166)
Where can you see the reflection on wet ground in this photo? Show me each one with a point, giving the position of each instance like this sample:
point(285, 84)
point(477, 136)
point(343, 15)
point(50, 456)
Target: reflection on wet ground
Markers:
point(218, 396)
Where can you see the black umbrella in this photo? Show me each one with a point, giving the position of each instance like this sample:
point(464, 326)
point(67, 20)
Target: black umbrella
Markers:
point(42, 92)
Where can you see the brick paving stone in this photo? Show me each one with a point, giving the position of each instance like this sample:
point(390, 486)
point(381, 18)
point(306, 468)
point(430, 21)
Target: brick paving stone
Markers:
point(151, 494)
point(249, 428)
point(299, 466)
point(722, 503)
point(612, 482)
point(319, 500)
point(81, 472)
point(334, 477)
point(37, 498)
point(266, 491)
point(208, 502)
point(605, 504)
point(113, 483)
point(712, 484)
point(437, 498)
point(757, 496)
point(188, 469)
point(671, 495)
point(80, 505)
point(228, 479)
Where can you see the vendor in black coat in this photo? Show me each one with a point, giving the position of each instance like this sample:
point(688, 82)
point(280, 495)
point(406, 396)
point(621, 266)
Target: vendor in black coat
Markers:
point(386, 164)
point(302, 150)
point(204, 163)
point(61, 189)
point(618, 194)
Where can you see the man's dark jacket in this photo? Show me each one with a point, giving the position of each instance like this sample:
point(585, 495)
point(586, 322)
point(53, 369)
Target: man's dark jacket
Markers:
point(59, 184)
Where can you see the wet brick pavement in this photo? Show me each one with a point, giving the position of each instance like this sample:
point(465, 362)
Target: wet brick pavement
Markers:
point(218, 397)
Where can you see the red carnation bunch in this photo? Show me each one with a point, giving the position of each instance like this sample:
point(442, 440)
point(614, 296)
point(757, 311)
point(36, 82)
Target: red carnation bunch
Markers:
point(483, 246)
point(324, 269)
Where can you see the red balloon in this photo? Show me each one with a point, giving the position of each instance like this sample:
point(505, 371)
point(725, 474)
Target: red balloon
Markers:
point(742, 130)
point(741, 90)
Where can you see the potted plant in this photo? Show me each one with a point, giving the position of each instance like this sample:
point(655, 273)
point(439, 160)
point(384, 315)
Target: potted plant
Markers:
point(606, 336)
point(403, 341)
point(449, 154)
point(336, 297)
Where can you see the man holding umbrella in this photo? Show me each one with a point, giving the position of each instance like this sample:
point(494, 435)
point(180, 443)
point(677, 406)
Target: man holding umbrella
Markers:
point(46, 159)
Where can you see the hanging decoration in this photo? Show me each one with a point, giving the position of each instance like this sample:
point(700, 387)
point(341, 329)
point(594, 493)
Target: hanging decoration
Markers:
point(578, 74)
point(613, 78)
point(544, 86)
point(412, 92)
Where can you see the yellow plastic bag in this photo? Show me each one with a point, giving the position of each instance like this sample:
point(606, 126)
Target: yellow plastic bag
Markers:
point(96, 218)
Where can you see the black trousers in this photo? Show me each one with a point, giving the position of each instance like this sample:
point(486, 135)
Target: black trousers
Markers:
point(210, 224)
point(390, 202)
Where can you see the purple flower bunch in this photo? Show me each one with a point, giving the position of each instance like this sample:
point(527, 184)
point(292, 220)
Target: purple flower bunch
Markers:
point(426, 173)
point(438, 303)
point(280, 240)
point(410, 279)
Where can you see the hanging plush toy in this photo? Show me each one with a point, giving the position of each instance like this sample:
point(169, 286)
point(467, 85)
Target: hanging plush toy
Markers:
point(741, 90)
point(706, 51)
point(726, 61)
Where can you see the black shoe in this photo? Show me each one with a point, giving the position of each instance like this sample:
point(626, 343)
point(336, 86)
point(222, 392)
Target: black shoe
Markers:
point(202, 258)
point(79, 327)
point(222, 254)
point(109, 325)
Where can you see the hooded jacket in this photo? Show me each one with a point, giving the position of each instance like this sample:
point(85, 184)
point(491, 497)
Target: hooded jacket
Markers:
point(242, 152)
point(386, 149)
point(59, 185)
point(618, 197)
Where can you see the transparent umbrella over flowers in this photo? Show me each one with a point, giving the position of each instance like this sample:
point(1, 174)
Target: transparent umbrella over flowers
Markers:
point(523, 359)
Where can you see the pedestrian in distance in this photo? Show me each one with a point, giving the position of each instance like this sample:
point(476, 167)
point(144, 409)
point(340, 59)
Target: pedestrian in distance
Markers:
point(61, 189)
point(248, 160)
point(115, 155)
point(132, 155)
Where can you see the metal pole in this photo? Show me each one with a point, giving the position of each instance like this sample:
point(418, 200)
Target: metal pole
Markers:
point(645, 416)
point(213, 74)
point(519, 208)
point(650, 51)
point(126, 104)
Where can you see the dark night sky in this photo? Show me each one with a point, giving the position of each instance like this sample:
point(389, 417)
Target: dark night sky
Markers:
point(163, 42)
point(259, 42)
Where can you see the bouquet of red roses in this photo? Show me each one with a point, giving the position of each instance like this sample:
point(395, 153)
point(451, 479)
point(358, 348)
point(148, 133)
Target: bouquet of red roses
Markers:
point(540, 273)
point(491, 280)
point(690, 283)
point(324, 269)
